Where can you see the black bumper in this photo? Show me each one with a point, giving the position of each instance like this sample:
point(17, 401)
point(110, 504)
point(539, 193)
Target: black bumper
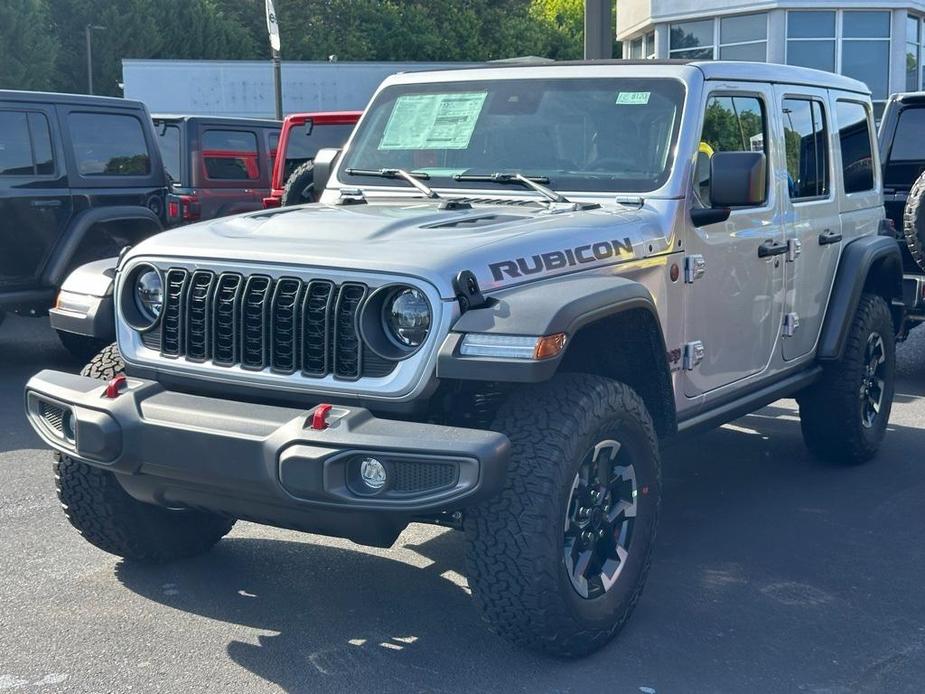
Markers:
point(266, 463)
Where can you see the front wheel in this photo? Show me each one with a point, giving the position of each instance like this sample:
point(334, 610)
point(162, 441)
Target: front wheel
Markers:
point(844, 416)
point(558, 560)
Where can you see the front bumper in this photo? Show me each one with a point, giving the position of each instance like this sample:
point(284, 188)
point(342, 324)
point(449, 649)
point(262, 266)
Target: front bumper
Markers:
point(914, 298)
point(266, 463)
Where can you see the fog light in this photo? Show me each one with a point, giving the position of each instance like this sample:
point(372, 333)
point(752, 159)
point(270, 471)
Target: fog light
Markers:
point(373, 473)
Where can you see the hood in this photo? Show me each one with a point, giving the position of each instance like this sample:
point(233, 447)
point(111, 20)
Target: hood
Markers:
point(502, 244)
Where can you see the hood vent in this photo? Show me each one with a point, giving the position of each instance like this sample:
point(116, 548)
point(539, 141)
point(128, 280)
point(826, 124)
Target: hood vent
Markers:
point(476, 222)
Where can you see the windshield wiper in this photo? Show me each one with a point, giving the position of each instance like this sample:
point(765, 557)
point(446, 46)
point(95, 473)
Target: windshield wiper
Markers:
point(534, 182)
point(412, 178)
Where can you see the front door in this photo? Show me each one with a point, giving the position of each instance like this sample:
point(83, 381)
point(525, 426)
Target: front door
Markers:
point(734, 309)
point(813, 226)
point(35, 202)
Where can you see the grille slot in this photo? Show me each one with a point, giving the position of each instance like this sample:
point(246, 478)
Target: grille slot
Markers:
point(319, 296)
point(198, 312)
point(226, 318)
point(52, 415)
point(286, 325)
point(255, 310)
point(284, 312)
point(348, 352)
point(173, 311)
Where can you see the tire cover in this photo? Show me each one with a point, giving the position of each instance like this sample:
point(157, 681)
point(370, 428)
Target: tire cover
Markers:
point(914, 222)
point(300, 186)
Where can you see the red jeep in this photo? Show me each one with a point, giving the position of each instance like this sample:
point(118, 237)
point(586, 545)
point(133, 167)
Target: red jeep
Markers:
point(302, 136)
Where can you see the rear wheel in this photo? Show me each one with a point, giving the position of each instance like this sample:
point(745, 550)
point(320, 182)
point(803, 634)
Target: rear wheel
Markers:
point(109, 518)
point(558, 560)
point(844, 416)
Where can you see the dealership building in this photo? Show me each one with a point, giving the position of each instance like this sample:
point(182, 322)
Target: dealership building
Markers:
point(879, 43)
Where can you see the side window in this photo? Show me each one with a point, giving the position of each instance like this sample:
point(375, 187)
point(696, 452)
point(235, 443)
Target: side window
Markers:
point(108, 144)
point(169, 142)
point(730, 124)
point(854, 139)
point(230, 155)
point(806, 143)
point(15, 151)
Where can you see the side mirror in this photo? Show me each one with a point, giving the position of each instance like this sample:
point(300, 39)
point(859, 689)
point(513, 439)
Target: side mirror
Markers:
point(323, 164)
point(738, 179)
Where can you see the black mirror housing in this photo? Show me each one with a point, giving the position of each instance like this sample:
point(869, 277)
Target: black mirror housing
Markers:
point(738, 179)
point(323, 165)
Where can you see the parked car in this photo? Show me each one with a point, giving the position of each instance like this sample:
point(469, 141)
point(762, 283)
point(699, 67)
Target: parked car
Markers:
point(902, 154)
point(218, 166)
point(80, 178)
point(302, 136)
point(518, 283)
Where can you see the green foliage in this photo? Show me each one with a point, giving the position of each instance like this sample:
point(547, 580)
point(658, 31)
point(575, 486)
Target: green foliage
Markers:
point(42, 42)
point(27, 45)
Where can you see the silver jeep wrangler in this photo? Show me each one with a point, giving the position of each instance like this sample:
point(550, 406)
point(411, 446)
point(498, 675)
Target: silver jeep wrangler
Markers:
point(519, 283)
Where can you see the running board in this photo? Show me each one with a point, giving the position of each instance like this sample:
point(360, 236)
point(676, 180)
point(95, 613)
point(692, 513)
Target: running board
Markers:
point(746, 404)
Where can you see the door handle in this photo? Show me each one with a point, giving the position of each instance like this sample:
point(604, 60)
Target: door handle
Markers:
point(771, 247)
point(828, 236)
point(45, 203)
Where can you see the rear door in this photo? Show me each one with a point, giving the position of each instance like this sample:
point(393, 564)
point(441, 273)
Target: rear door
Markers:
point(35, 203)
point(230, 167)
point(813, 227)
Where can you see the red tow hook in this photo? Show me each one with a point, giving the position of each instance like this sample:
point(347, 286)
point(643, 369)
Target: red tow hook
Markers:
point(115, 386)
point(320, 417)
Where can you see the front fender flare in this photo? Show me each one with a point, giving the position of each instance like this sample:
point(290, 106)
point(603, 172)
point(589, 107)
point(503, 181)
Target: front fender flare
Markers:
point(561, 305)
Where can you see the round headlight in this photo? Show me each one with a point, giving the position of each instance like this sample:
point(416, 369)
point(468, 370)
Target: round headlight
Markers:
point(407, 317)
point(149, 294)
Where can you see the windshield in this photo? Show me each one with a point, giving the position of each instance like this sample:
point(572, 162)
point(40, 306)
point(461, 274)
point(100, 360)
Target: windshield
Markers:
point(614, 134)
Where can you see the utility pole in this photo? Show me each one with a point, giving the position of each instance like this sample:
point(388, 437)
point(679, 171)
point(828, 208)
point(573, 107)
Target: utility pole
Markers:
point(88, 29)
point(598, 29)
point(273, 31)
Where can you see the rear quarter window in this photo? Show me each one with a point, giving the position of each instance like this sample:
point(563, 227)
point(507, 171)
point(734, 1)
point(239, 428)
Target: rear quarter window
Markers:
point(230, 155)
point(854, 138)
point(107, 144)
point(907, 151)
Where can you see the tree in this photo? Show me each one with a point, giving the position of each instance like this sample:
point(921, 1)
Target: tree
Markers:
point(27, 45)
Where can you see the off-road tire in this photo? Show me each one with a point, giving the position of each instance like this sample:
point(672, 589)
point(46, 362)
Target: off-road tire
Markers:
point(517, 571)
point(831, 411)
point(300, 186)
point(914, 222)
point(82, 347)
point(107, 517)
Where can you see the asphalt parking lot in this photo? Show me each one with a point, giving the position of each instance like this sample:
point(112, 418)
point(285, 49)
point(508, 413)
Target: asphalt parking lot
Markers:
point(772, 573)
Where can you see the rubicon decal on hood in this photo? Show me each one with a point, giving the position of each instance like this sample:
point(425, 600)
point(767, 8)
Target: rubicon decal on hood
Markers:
point(556, 260)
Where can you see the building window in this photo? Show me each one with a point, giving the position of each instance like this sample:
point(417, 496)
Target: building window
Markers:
point(865, 50)
point(811, 39)
point(806, 144)
point(650, 45)
point(692, 40)
point(744, 37)
point(913, 52)
point(636, 49)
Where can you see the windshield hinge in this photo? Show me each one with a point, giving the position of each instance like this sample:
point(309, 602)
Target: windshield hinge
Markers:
point(630, 201)
point(351, 196)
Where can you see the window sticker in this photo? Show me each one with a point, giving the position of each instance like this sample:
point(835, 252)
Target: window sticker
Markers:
point(633, 98)
point(433, 121)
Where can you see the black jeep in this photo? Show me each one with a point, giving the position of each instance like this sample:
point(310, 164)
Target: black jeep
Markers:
point(80, 178)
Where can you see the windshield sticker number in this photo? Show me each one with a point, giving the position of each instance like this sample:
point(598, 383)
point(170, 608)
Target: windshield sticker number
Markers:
point(433, 121)
point(633, 98)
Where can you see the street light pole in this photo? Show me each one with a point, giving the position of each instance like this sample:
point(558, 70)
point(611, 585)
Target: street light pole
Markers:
point(89, 28)
point(598, 29)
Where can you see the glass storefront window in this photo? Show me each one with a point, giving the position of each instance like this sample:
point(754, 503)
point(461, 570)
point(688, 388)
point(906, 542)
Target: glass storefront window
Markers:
point(815, 54)
point(636, 49)
point(810, 24)
point(866, 25)
point(650, 45)
point(743, 28)
point(757, 52)
point(913, 52)
point(692, 35)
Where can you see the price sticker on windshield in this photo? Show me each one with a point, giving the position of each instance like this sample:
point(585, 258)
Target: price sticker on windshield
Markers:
point(433, 121)
point(633, 98)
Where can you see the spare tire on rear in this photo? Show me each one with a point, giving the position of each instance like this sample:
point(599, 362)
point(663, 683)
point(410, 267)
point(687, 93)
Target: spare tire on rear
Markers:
point(914, 222)
point(300, 186)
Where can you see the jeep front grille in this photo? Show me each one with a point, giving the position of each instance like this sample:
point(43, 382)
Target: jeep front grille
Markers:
point(256, 322)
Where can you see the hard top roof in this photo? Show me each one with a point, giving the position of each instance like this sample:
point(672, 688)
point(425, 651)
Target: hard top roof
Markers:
point(73, 99)
point(218, 120)
point(740, 71)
